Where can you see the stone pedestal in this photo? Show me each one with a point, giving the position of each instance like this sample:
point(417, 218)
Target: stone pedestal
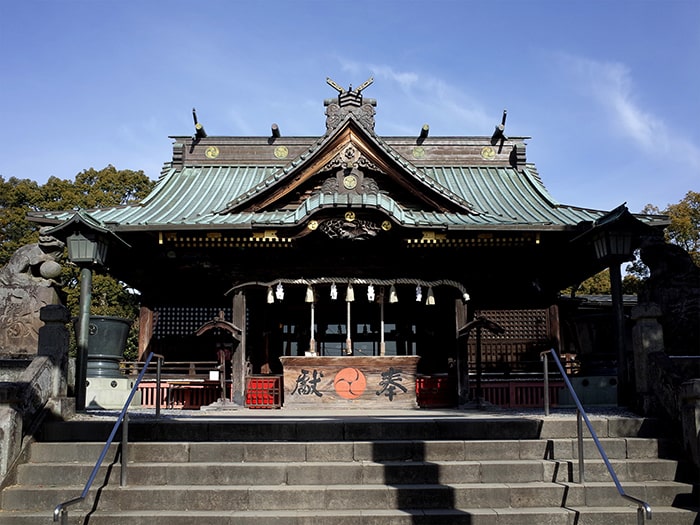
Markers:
point(647, 338)
point(591, 391)
point(690, 418)
point(110, 393)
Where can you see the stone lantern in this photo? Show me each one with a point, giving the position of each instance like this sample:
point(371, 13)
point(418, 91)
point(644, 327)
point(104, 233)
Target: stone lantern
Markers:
point(88, 241)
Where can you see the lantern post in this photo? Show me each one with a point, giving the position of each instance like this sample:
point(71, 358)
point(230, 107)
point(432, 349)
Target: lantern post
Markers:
point(613, 248)
point(87, 241)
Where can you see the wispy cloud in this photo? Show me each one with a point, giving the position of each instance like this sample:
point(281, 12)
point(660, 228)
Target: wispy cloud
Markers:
point(611, 85)
point(421, 94)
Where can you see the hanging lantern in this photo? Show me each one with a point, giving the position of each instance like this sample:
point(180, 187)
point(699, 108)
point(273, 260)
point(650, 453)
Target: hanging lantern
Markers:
point(350, 294)
point(419, 294)
point(393, 298)
point(334, 291)
point(279, 292)
point(430, 301)
point(465, 297)
point(370, 293)
point(270, 295)
point(309, 294)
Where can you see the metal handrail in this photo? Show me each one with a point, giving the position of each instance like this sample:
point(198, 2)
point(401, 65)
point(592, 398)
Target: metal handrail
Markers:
point(60, 512)
point(643, 508)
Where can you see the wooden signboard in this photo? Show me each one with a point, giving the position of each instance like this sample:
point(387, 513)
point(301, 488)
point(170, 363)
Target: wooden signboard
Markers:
point(350, 382)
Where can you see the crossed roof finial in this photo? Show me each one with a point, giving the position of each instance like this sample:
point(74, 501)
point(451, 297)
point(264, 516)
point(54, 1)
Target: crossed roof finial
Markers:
point(357, 90)
point(349, 101)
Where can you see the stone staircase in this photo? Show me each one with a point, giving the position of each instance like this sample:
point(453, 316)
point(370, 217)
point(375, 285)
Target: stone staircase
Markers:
point(438, 468)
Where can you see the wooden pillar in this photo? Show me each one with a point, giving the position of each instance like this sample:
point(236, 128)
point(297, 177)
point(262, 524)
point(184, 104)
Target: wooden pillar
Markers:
point(348, 340)
point(619, 331)
point(478, 367)
point(146, 319)
point(238, 362)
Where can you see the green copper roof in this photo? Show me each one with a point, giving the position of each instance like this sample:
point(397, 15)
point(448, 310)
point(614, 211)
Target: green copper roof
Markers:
point(230, 183)
point(194, 196)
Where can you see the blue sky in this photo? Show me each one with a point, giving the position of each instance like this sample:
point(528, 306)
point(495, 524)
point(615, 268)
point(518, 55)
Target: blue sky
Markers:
point(607, 90)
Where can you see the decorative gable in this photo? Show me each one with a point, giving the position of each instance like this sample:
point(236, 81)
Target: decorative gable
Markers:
point(349, 168)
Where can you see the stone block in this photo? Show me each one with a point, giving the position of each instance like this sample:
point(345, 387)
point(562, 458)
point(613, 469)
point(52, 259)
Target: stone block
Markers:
point(110, 393)
point(325, 474)
point(482, 496)
point(330, 451)
point(508, 471)
point(274, 452)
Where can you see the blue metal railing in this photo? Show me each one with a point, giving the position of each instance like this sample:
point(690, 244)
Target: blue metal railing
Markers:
point(643, 508)
point(61, 512)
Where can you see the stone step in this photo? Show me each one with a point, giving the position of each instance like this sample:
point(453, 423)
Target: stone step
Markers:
point(356, 472)
point(381, 470)
point(615, 448)
point(412, 426)
point(348, 496)
point(355, 429)
point(511, 516)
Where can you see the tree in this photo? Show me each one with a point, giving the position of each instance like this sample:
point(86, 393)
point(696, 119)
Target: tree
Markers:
point(17, 197)
point(599, 284)
point(91, 189)
point(684, 229)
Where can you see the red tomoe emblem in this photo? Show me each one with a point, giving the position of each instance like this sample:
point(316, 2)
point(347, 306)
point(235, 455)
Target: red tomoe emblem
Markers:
point(350, 383)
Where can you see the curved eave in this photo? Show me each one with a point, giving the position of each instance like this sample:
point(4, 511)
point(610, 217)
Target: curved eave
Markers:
point(189, 199)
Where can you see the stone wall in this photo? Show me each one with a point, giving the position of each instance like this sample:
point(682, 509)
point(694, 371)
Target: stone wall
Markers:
point(666, 386)
point(37, 391)
point(674, 286)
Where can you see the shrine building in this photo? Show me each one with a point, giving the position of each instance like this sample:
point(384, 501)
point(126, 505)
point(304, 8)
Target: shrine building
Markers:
point(351, 265)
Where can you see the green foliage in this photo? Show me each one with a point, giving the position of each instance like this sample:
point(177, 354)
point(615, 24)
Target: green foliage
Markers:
point(91, 189)
point(631, 284)
point(684, 229)
point(17, 197)
point(599, 284)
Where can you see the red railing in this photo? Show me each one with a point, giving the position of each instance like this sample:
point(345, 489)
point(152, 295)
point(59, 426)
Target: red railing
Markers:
point(519, 393)
point(263, 391)
point(431, 392)
point(437, 391)
point(185, 395)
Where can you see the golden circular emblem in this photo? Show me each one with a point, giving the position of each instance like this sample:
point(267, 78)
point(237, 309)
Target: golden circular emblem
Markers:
point(350, 181)
point(418, 152)
point(386, 226)
point(211, 152)
point(349, 216)
point(488, 153)
point(313, 225)
point(281, 152)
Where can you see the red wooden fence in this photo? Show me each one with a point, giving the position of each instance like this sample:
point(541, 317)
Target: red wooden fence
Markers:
point(441, 391)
